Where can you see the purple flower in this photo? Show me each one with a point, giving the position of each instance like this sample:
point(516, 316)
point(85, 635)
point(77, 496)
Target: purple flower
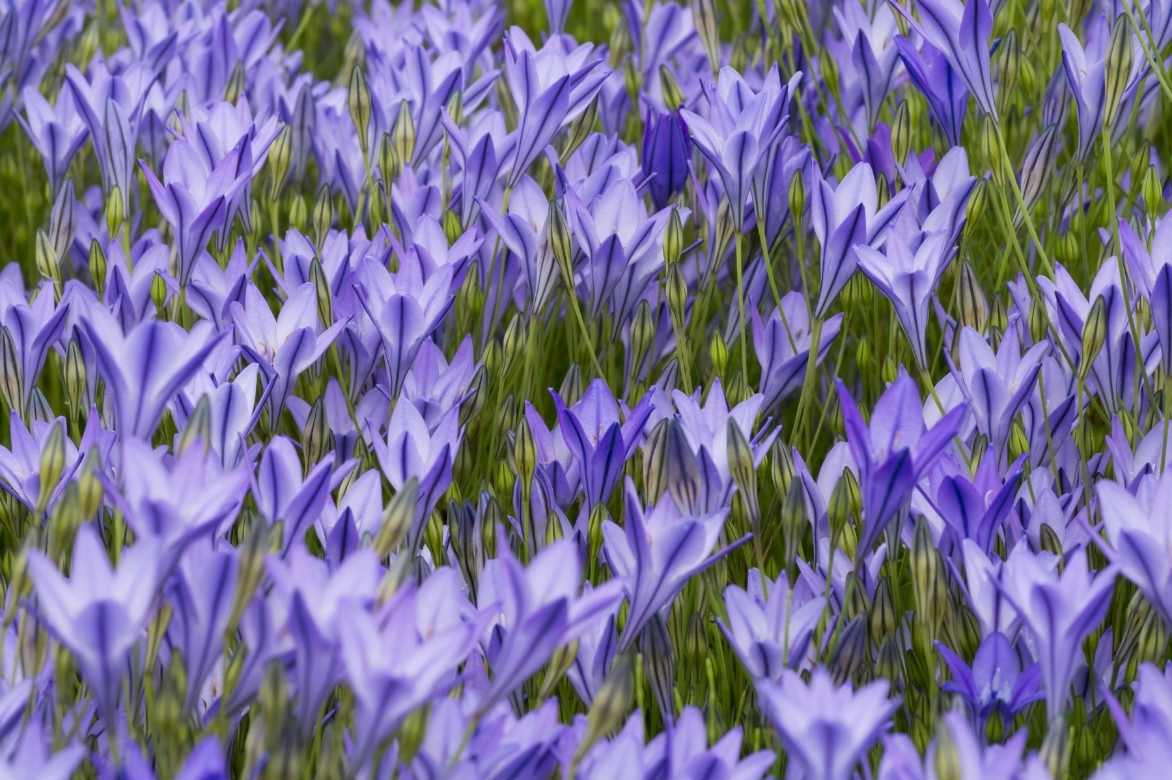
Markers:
point(893, 451)
point(57, 132)
point(1058, 610)
point(413, 450)
point(940, 83)
point(99, 613)
point(969, 757)
point(962, 30)
point(782, 345)
point(1086, 75)
point(30, 330)
point(145, 367)
point(845, 216)
point(283, 496)
point(907, 272)
point(535, 609)
point(656, 553)
point(770, 624)
point(742, 128)
point(1140, 535)
point(1145, 736)
point(203, 595)
point(825, 730)
point(996, 680)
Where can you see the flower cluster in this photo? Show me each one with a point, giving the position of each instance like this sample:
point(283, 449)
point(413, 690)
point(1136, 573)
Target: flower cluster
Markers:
point(493, 388)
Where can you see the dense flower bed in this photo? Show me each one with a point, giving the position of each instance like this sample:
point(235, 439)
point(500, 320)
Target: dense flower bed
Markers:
point(753, 389)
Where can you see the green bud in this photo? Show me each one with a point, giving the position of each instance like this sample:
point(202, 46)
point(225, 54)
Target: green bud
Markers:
point(581, 129)
point(974, 306)
point(404, 134)
point(524, 455)
point(115, 212)
point(1153, 192)
point(1118, 68)
point(863, 356)
point(199, 426)
point(704, 18)
point(742, 467)
point(850, 658)
point(235, 86)
point(1048, 540)
point(1010, 53)
point(280, 157)
point(609, 708)
point(89, 486)
point(677, 291)
point(452, 227)
point(573, 385)
point(945, 759)
point(1094, 334)
point(398, 517)
point(926, 575)
point(843, 511)
point(316, 436)
point(797, 197)
point(323, 214)
point(321, 289)
point(75, 379)
point(718, 353)
point(673, 239)
point(358, 100)
point(1019, 443)
point(642, 334)
point(298, 212)
point(46, 259)
point(52, 465)
point(998, 316)
point(884, 621)
point(782, 470)
point(388, 161)
point(901, 133)
point(62, 221)
point(673, 96)
point(159, 290)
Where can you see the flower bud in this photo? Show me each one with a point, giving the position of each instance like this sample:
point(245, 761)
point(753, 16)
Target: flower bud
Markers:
point(398, 517)
point(316, 438)
point(901, 133)
point(321, 288)
point(97, 265)
point(358, 100)
point(1118, 68)
point(404, 134)
point(659, 665)
point(115, 212)
point(75, 378)
point(581, 129)
point(677, 292)
point(673, 239)
point(524, 454)
point(46, 260)
point(945, 759)
point(52, 465)
point(280, 156)
point(742, 467)
point(298, 212)
point(642, 334)
point(974, 306)
point(704, 18)
point(1039, 319)
point(561, 244)
point(159, 290)
point(89, 486)
point(199, 426)
point(718, 353)
point(850, 657)
point(1153, 193)
point(323, 214)
point(573, 385)
point(673, 96)
point(610, 706)
point(62, 221)
point(797, 197)
point(1094, 335)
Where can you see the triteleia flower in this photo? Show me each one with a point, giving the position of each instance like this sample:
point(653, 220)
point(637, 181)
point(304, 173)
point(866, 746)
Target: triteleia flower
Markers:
point(845, 216)
point(1058, 611)
point(782, 345)
point(282, 495)
point(1139, 531)
point(203, 595)
point(997, 384)
point(961, 752)
point(743, 126)
point(893, 451)
point(57, 131)
point(1086, 74)
point(146, 367)
point(1146, 736)
point(962, 30)
point(656, 552)
point(825, 730)
point(286, 345)
point(175, 500)
point(770, 624)
point(524, 231)
point(99, 613)
point(940, 83)
point(412, 450)
point(907, 272)
point(403, 655)
point(30, 330)
point(680, 751)
point(535, 609)
point(996, 681)
point(20, 467)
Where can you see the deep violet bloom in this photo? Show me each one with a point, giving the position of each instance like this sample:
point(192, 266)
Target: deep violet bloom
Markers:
point(667, 155)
